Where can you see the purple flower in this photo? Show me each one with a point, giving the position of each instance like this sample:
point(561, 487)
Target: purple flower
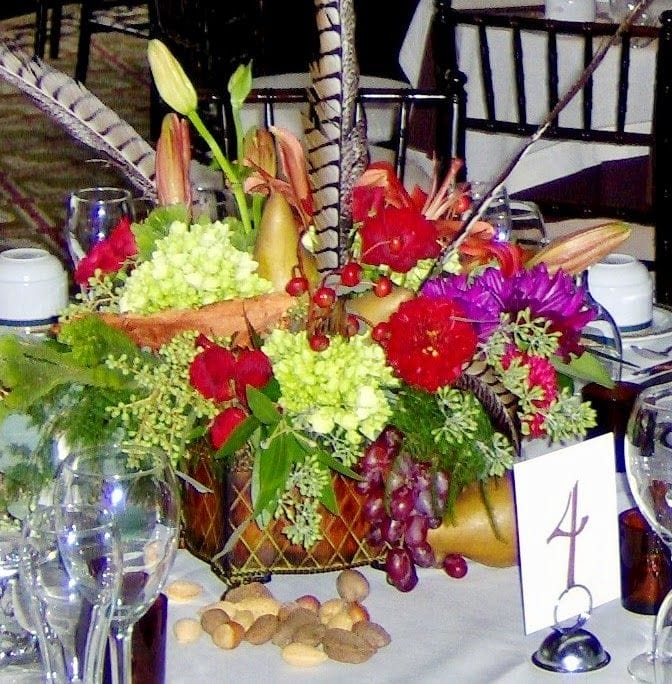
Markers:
point(555, 298)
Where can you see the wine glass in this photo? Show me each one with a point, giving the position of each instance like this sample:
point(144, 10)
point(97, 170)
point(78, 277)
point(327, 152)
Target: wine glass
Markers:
point(16, 643)
point(71, 569)
point(139, 488)
point(648, 465)
point(91, 214)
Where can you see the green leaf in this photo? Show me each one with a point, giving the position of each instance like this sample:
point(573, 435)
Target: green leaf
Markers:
point(586, 367)
point(155, 226)
point(328, 460)
point(238, 438)
point(328, 499)
point(275, 463)
point(262, 407)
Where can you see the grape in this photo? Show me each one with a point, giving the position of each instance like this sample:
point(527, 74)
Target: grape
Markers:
point(416, 530)
point(402, 502)
point(400, 569)
point(391, 438)
point(455, 565)
point(374, 509)
point(423, 555)
point(392, 530)
point(424, 504)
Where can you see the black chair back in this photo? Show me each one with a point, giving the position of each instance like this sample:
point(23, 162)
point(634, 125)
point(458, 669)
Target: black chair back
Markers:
point(657, 203)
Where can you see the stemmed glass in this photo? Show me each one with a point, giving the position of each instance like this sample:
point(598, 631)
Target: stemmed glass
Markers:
point(648, 464)
point(92, 213)
point(71, 568)
point(139, 488)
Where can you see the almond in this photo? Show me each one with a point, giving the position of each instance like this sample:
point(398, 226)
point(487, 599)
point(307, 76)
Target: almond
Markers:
point(302, 655)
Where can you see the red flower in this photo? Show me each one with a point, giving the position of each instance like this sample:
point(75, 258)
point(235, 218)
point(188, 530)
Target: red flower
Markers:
point(212, 373)
point(428, 344)
point(541, 374)
point(224, 424)
point(252, 368)
point(398, 237)
point(110, 254)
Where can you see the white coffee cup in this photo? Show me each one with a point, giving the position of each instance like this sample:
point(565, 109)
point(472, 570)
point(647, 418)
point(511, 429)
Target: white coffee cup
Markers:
point(623, 286)
point(33, 288)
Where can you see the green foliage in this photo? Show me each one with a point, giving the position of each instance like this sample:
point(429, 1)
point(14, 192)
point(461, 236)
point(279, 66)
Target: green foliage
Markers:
point(452, 431)
point(155, 226)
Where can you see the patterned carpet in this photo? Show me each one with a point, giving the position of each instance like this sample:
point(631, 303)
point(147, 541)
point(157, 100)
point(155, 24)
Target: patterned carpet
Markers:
point(39, 163)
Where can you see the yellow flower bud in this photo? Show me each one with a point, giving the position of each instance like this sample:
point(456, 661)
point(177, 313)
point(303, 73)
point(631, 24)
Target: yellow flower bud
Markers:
point(172, 83)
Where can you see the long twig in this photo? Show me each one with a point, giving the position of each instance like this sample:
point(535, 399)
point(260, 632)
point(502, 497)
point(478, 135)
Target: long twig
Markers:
point(479, 207)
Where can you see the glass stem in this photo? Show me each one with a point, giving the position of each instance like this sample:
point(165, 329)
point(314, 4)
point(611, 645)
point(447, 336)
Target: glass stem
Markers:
point(661, 620)
point(120, 654)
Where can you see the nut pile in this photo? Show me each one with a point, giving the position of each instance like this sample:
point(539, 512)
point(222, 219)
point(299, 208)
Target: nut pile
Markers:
point(307, 631)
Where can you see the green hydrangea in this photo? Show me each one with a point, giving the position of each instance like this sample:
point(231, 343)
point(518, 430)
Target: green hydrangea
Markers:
point(342, 388)
point(190, 267)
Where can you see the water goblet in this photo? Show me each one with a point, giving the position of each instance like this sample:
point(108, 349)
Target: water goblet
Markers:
point(92, 213)
point(17, 644)
point(138, 487)
point(71, 568)
point(648, 465)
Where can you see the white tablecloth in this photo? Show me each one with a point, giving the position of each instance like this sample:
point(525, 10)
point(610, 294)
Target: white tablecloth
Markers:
point(488, 154)
point(468, 630)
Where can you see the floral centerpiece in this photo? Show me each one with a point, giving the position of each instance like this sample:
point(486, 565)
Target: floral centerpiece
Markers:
point(411, 368)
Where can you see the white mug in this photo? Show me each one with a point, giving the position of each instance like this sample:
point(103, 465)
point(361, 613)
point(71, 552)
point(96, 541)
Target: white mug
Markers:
point(623, 286)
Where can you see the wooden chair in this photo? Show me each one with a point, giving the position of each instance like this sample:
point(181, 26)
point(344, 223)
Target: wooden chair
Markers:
point(130, 17)
point(657, 206)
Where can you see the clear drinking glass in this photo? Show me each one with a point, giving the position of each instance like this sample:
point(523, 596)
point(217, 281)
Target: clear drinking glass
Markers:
point(648, 464)
point(91, 214)
point(71, 568)
point(498, 211)
point(138, 487)
point(17, 644)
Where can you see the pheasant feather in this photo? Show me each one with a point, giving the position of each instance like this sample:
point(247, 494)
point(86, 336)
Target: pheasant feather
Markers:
point(82, 114)
point(335, 135)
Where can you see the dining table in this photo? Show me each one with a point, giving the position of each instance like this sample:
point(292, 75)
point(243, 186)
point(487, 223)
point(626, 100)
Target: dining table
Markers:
point(488, 154)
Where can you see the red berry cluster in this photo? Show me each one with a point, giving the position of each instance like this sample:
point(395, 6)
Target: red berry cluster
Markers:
point(323, 300)
point(404, 500)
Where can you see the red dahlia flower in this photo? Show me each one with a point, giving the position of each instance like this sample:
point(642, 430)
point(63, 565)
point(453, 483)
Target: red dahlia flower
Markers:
point(254, 368)
point(398, 238)
point(110, 254)
point(429, 344)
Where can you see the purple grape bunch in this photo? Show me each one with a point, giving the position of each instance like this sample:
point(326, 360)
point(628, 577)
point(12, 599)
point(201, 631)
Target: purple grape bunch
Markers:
point(404, 500)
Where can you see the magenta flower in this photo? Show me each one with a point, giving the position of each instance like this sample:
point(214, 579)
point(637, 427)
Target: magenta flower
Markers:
point(556, 298)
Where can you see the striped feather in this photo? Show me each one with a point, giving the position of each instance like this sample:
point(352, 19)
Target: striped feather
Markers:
point(82, 115)
point(336, 140)
point(500, 404)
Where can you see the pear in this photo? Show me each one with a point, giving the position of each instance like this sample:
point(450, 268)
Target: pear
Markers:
point(375, 309)
point(277, 246)
point(470, 531)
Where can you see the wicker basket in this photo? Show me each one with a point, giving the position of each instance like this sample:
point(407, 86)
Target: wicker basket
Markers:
point(210, 519)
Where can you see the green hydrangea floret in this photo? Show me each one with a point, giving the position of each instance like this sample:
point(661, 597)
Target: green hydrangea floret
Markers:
point(343, 388)
point(190, 267)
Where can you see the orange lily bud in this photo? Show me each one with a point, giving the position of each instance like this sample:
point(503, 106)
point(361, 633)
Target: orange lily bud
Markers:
point(173, 158)
point(259, 150)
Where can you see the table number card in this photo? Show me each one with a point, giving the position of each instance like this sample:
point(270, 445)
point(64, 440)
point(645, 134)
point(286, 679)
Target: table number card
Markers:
point(567, 531)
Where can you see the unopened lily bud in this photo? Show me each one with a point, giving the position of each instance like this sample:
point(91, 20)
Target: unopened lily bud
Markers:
point(259, 150)
point(172, 83)
point(173, 159)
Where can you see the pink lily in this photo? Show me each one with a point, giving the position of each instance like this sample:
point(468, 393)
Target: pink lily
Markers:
point(173, 158)
point(296, 188)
